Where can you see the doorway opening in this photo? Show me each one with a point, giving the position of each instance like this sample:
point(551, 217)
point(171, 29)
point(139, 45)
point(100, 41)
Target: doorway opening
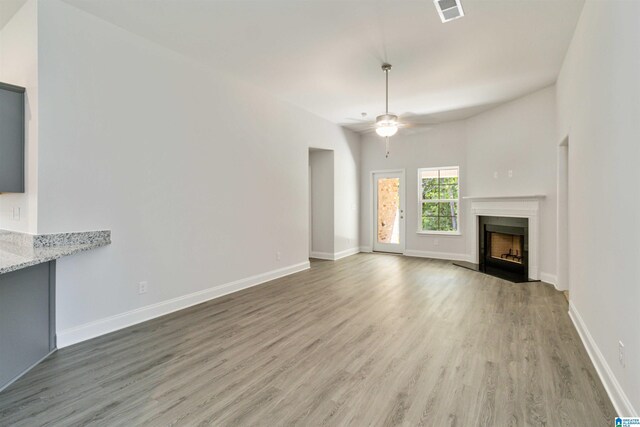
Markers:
point(321, 196)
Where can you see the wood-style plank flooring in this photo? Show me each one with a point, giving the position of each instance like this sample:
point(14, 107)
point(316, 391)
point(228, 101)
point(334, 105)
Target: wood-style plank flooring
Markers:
point(369, 340)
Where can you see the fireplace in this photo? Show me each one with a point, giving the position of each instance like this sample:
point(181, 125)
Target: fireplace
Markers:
point(518, 211)
point(503, 247)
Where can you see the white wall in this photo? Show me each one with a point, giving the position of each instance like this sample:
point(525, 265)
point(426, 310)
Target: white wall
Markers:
point(518, 136)
point(599, 109)
point(202, 179)
point(443, 145)
point(322, 203)
point(19, 66)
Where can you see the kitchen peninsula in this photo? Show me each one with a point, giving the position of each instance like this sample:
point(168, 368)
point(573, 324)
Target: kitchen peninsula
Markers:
point(27, 294)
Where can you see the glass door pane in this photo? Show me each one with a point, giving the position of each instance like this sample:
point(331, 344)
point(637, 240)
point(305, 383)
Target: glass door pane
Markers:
point(388, 210)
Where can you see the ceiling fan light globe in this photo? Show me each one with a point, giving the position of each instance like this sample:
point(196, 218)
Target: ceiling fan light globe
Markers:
point(387, 130)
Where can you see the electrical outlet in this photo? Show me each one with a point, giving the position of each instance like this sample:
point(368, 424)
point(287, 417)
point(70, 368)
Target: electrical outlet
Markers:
point(495, 175)
point(16, 214)
point(510, 173)
point(278, 255)
point(621, 353)
point(142, 287)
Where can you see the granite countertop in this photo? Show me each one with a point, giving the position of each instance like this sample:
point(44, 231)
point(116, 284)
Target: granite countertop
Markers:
point(19, 250)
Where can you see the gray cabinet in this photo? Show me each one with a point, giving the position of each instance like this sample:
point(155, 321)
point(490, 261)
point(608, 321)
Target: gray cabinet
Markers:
point(27, 319)
point(12, 126)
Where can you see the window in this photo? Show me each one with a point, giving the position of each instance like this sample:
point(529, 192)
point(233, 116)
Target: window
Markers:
point(439, 194)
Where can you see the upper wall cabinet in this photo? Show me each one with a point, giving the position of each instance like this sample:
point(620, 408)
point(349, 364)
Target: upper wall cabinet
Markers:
point(11, 138)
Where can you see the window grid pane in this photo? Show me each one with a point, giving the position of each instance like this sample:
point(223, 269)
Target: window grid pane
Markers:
point(439, 197)
point(440, 216)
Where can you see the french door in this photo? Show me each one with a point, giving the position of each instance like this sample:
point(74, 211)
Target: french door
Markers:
point(388, 211)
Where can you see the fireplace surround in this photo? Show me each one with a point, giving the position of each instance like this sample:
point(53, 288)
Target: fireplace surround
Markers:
point(525, 207)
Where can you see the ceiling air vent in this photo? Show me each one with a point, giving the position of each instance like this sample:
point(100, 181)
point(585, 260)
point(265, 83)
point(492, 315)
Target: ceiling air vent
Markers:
point(449, 9)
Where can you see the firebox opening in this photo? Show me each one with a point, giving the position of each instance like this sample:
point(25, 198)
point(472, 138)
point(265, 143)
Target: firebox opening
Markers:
point(504, 247)
point(507, 247)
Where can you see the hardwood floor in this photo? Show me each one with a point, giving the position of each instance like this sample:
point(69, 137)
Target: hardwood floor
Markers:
point(368, 340)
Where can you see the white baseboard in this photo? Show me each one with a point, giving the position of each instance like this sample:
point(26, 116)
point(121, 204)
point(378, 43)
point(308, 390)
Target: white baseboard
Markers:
point(549, 278)
point(437, 255)
point(620, 401)
point(321, 255)
point(346, 253)
point(366, 249)
point(335, 256)
point(96, 328)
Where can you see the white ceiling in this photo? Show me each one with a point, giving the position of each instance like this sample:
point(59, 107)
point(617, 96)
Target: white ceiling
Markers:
point(325, 55)
point(8, 8)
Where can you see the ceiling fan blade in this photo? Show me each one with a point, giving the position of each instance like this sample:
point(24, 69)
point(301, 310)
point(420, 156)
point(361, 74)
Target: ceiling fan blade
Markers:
point(417, 126)
point(368, 130)
point(351, 119)
point(360, 126)
point(420, 119)
point(412, 130)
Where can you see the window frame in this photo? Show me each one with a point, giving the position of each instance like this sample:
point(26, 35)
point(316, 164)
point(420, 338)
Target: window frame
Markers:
point(421, 202)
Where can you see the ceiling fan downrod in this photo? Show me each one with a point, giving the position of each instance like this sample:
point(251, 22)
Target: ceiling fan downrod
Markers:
point(386, 68)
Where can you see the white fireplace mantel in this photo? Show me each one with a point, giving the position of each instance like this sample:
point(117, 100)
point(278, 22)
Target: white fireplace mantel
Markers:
point(532, 196)
point(514, 207)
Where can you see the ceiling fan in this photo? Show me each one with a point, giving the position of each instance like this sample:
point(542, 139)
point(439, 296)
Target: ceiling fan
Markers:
point(387, 124)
